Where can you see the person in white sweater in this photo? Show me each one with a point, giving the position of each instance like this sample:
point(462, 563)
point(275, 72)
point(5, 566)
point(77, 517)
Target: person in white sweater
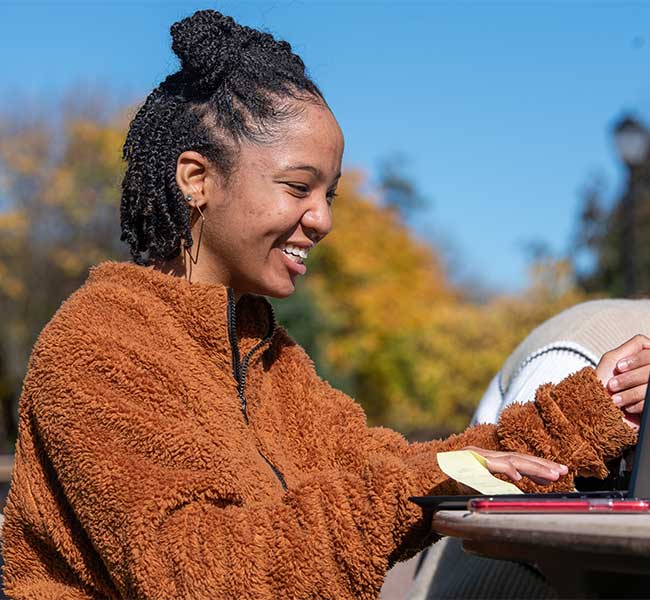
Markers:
point(577, 337)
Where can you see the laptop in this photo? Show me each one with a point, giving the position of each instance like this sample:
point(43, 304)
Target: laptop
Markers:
point(639, 487)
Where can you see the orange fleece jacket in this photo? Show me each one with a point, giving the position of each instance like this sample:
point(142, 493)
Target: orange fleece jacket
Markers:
point(141, 473)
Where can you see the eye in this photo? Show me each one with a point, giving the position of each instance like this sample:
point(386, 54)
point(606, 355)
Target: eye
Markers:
point(300, 188)
point(331, 195)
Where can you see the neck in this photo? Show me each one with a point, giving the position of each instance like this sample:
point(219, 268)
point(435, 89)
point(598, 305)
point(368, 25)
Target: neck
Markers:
point(183, 266)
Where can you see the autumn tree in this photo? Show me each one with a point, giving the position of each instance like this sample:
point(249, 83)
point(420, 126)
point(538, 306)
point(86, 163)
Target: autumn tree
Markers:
point(60, 188)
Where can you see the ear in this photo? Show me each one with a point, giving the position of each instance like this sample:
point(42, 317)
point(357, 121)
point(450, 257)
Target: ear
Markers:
point(196, 176)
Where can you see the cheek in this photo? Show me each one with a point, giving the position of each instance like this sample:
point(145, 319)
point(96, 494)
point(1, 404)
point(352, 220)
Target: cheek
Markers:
point(256, 218)
point(276, 217)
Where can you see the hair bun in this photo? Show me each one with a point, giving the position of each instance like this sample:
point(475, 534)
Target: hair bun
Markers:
point(208, 43)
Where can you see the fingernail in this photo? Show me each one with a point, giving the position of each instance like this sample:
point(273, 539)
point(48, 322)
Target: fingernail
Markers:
point(613, 384)
point(618, 400)
point(518, 476)
point(623, 364)
point(564, 469)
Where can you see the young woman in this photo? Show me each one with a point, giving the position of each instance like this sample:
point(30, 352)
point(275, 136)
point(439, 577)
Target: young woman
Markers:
point(174, 441)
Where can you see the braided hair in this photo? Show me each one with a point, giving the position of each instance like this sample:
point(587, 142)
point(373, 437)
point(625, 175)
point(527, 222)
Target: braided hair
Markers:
point(234, 83)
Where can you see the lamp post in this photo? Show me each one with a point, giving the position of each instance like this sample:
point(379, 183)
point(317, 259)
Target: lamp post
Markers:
point(632, 141)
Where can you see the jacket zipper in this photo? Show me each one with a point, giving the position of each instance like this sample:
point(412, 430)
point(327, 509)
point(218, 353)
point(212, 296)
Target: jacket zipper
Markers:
point(240, 367)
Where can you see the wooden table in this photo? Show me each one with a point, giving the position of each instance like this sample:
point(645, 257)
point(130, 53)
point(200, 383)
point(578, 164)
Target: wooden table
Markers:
point(598, 556)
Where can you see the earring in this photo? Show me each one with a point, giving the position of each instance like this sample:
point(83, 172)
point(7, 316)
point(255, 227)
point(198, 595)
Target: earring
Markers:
point(194, 259)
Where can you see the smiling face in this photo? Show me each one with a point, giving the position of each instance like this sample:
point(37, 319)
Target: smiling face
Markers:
point(262, 221)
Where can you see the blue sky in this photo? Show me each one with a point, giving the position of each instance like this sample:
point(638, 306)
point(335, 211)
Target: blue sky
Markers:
point(504, 109)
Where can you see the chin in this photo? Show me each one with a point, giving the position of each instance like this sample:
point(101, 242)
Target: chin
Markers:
point(276, 288)
point(281, 292)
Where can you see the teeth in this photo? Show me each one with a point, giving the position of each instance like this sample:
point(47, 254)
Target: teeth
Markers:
point(296, 253)
point(293, 257)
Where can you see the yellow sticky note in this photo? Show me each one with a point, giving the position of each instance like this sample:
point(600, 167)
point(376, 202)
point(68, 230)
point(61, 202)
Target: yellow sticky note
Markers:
point(470, 469)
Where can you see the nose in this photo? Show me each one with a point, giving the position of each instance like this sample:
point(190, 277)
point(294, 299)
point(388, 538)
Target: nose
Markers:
point(317, 219)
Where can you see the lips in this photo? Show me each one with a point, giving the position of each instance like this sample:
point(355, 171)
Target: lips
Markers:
point(294, 265)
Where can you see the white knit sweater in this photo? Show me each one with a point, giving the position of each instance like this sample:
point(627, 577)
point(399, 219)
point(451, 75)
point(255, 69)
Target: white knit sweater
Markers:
point(573, 339)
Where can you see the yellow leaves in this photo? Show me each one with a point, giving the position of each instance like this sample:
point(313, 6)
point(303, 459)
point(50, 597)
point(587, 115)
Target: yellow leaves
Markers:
point(14, 223)
point(72, 263)
point(382, 273)
point(89, 171)
point(10, 283)
point(25, 151)
point(60, 187)
point(60, 192)
point(97, 144)
point(14, 226)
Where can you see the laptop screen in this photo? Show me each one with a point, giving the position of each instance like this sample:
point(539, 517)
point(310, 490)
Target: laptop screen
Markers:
point(640, 479)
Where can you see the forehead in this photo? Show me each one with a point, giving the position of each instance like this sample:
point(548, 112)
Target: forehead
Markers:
point(311, 137)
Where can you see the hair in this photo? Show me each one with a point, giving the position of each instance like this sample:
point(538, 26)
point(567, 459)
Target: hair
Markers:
point(234, 83)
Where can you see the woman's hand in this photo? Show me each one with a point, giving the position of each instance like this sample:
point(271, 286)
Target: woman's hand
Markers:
point(624, 372)
point(515, 466)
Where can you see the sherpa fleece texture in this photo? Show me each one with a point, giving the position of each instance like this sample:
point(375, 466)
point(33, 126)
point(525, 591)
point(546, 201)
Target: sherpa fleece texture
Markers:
point(137, 475)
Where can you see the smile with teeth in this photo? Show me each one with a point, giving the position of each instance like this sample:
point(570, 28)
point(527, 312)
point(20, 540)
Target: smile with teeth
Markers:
point(295, 253)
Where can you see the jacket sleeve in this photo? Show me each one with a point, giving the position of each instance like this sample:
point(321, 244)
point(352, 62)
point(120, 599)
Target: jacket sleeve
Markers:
point(574, 422)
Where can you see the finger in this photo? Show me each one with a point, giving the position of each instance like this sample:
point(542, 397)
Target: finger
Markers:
point(632, 346)
point(634, 361)
point(629, 380)
point(505, 467)
point(543, 462)
point(532, 468)
point(634, 409)
point(608, 361)
point(630, 397)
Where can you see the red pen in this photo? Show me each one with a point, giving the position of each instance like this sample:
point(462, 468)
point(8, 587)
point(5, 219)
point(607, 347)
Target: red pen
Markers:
point(559, 505)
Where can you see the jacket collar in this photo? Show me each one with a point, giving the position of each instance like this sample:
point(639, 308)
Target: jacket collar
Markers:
point(201, 307)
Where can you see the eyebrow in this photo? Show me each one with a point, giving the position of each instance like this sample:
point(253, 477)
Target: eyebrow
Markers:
point(310, 168)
